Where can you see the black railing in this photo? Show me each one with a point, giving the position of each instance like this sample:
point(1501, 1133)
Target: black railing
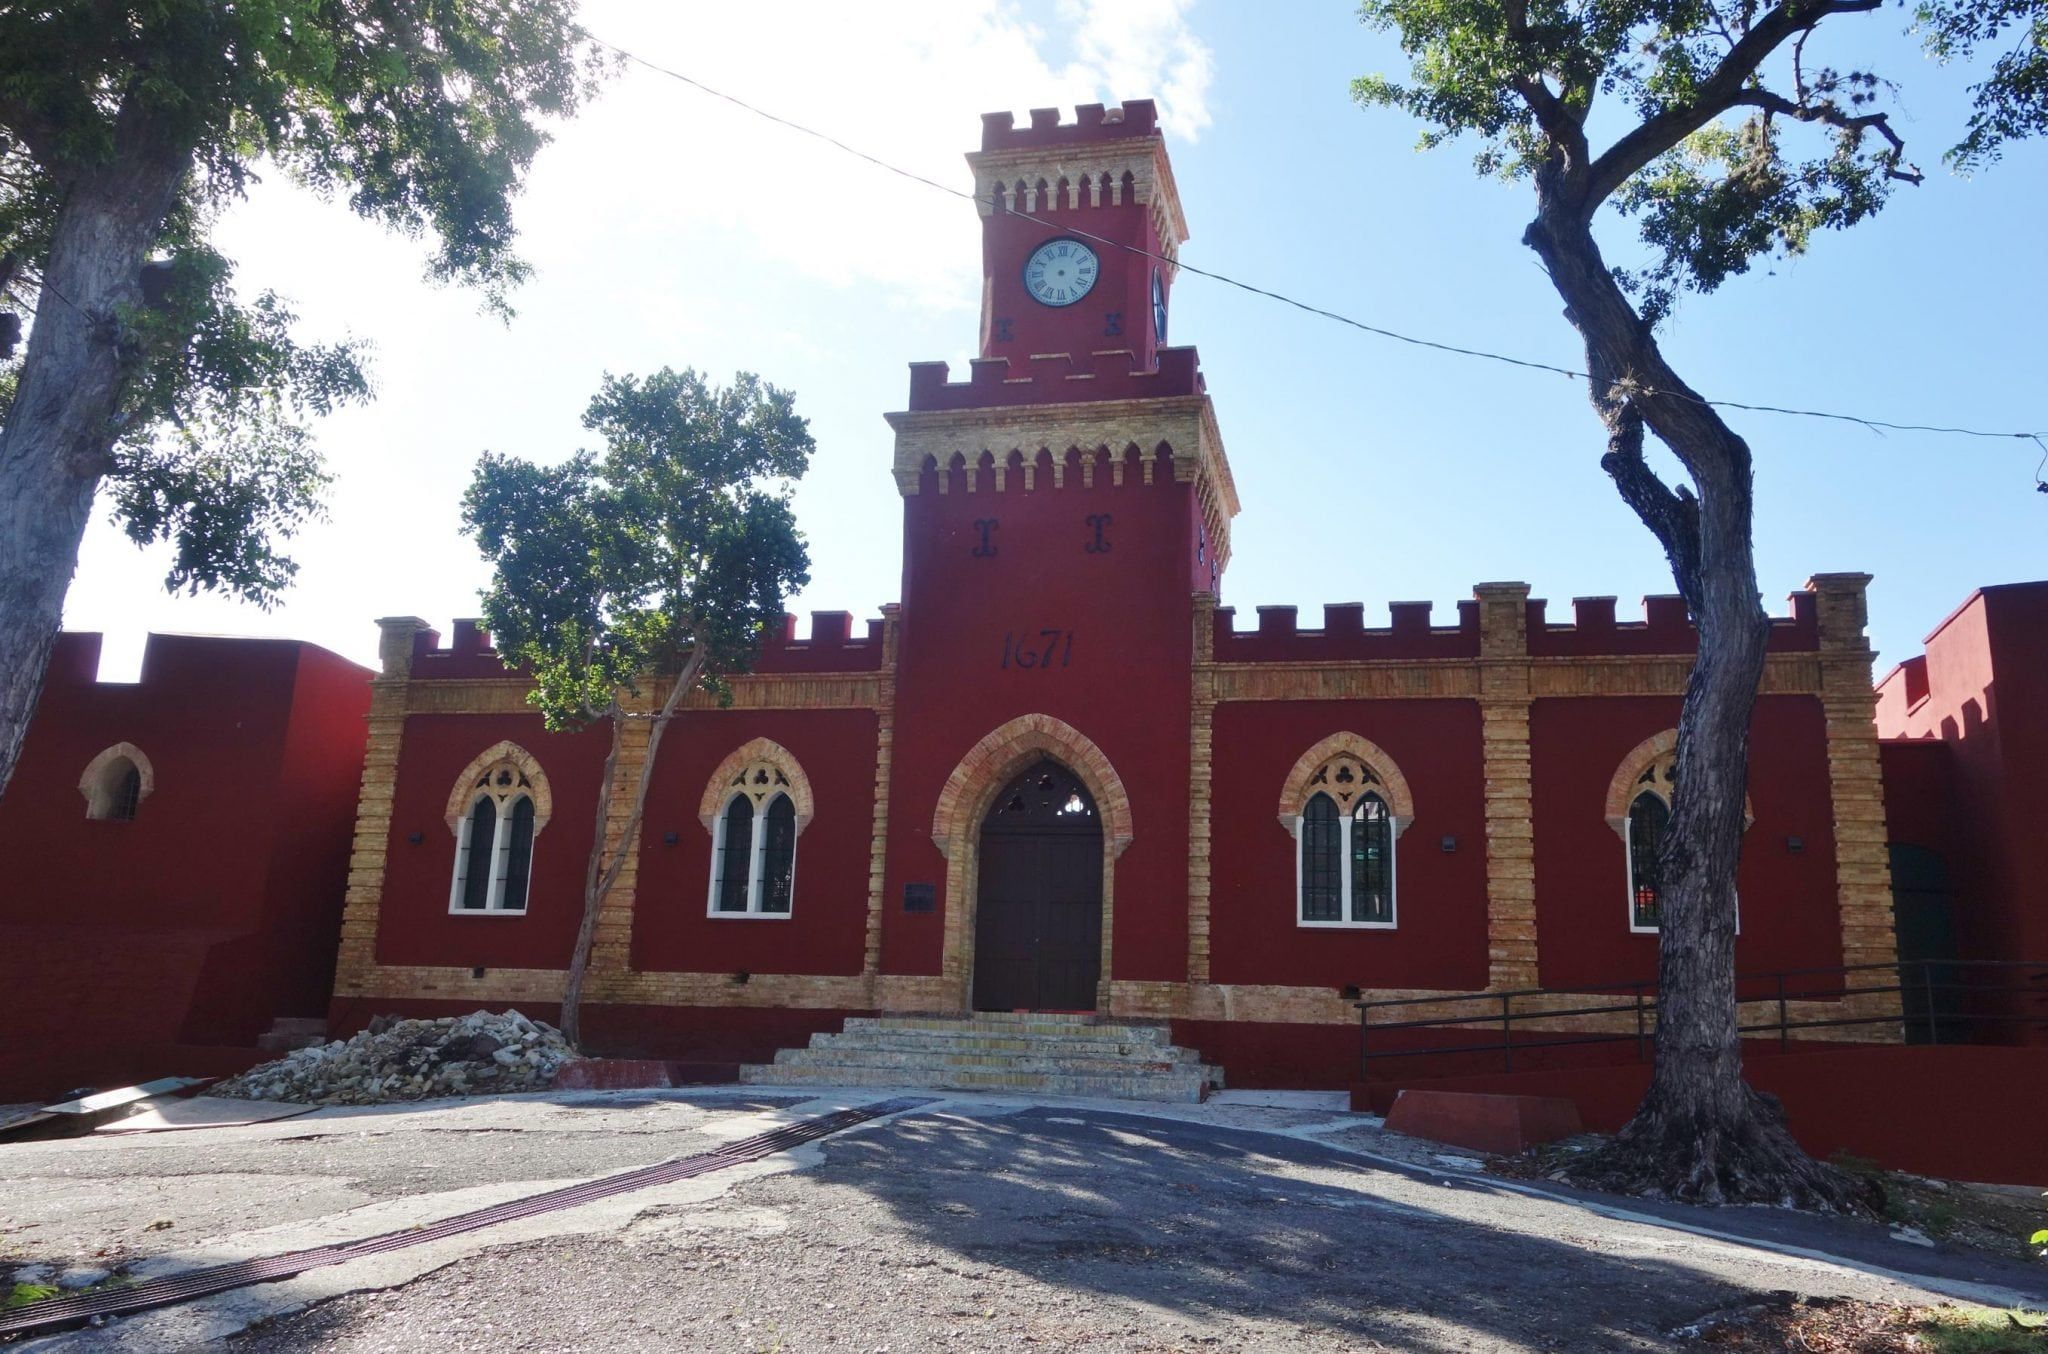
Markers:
point(1940, 1001)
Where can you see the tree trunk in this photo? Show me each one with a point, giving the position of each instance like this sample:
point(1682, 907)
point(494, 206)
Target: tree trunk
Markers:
point(605, 866)
point(58, 438)
point(1701, 1133)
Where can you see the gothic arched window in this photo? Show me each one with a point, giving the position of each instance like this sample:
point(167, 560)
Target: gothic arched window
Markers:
point(1648, 816)
point(758, 803)
point(1345, 803)
point(115, 783)
point(499, 806)
point(1640, 799)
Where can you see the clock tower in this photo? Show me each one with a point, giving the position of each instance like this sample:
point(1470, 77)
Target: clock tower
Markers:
point(1081, 227)
point(1066, 522)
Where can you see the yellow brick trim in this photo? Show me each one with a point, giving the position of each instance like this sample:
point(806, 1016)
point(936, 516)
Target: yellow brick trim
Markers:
point(1504, 699)
point(1201, 785)
point(885, 745)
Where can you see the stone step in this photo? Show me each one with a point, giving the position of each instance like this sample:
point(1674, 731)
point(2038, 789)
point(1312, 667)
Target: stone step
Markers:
point(958, 1042)
point(1183, 1088)
point(1050, 1065)
point(1002, 1027)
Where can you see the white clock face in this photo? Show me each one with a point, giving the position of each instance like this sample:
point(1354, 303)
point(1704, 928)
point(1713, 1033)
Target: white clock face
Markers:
point(1060, 272)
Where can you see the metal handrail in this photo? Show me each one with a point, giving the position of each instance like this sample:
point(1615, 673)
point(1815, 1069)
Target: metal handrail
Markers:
point(1643, 1007)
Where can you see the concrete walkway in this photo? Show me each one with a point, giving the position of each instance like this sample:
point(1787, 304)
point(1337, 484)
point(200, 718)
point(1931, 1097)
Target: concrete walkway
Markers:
point(975, 1222)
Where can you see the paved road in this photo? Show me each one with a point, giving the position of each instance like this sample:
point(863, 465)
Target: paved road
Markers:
point(990, 1225)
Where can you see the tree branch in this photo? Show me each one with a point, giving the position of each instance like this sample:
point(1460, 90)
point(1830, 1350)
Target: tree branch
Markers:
point(1832, 115)
point(1717, 94)
point(1672, 515)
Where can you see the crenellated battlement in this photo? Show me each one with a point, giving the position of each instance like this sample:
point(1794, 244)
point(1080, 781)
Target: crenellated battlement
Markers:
point(1104, 158)
point(994, 432)
point(1093, 122)
point(1056, 378)
point(1277, 636)
point(1594, 631)
point(830, 646)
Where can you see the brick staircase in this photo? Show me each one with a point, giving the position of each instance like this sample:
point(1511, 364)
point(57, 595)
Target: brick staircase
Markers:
point(1043, 1054)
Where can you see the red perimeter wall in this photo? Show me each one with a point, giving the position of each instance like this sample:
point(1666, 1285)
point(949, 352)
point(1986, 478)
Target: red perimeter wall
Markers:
point(1970, 1113)
point(218, 907)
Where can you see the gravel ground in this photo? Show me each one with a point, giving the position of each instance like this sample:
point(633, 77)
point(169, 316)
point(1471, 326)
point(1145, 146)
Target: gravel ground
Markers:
point(980, 1229)
point(127, 1197)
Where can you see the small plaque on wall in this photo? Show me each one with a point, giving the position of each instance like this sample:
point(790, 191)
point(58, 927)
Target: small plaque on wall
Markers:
point(920, 898)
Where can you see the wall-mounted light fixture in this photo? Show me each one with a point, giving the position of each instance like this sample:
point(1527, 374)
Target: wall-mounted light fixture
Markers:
point(1449, 843)
point(417, 837)
point(1795, 844)
point(669, 839)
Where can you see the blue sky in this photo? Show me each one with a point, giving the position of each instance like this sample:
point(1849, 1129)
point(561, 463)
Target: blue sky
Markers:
point(669, 229)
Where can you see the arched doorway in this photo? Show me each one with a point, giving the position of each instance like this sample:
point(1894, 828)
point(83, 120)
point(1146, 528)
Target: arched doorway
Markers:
point(1038, 903)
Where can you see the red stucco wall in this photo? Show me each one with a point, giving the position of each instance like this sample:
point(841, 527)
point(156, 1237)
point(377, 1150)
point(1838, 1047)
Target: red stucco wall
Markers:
point(1790, 918)
point(217, 908)
point(1980, 693)
point(414, 925)
point(1440, 897)
point(826, 929)
point(1129, 612)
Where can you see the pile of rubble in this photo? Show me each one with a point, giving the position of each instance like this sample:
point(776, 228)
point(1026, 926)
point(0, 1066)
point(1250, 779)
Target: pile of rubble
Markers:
point(478, 1054)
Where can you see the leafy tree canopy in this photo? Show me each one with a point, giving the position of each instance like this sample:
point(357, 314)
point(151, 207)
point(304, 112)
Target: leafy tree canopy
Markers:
point(673, 546)
point(422, 115)
point(2012, 102)
point(1705, 99)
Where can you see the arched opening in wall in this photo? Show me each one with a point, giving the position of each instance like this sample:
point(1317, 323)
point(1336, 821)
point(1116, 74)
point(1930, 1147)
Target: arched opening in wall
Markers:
point(115, 783)
point(1038, 900)
point(1924, 919)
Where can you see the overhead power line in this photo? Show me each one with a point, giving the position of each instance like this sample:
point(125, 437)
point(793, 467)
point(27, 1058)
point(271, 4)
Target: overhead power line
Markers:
point(1873, 424)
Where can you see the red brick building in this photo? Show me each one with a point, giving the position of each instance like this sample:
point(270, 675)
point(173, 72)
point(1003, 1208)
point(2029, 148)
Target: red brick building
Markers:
point(1059, 776)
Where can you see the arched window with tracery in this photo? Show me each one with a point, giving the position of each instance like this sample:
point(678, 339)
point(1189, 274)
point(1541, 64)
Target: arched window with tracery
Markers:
point(1639, 804)
point(757, 804)
point(115, 783)
point(499, 805)
point(1648, 815)
point(1345, 803)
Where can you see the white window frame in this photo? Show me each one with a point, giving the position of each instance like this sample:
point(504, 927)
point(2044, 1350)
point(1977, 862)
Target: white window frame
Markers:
point(757, 850)
point(1348, 923)
point(501, 859)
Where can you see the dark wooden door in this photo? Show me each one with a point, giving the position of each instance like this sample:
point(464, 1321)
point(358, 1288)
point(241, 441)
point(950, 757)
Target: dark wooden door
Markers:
point(1038, 909)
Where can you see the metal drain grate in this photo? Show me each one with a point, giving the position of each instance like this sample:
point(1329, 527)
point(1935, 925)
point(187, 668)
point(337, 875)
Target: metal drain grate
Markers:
point(53, 1314)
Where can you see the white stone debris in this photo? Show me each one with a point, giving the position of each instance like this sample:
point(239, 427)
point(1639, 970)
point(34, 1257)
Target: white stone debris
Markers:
point(482, 1053)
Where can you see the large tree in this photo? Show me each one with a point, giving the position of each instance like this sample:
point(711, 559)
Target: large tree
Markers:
point(1710, 124)
point(662, 560)
point(125, 127)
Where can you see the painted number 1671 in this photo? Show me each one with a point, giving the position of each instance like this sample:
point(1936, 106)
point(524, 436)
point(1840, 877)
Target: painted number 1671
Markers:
point(1046, 649)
